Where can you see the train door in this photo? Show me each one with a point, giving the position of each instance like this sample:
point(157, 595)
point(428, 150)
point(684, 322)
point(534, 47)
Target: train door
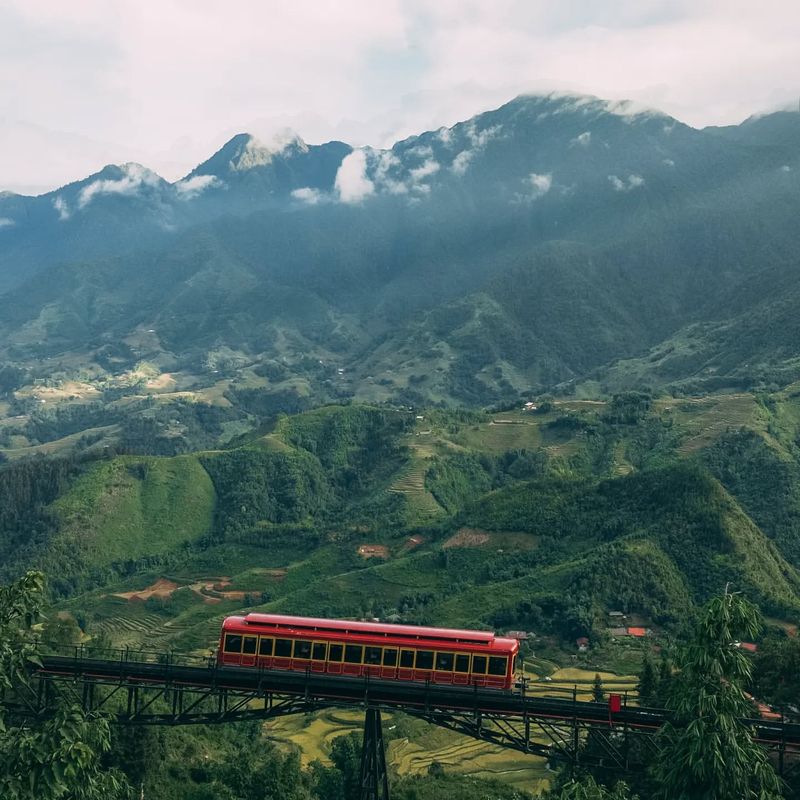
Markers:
point(335, 656)
point(266, 646)
point(353, 659)
point(406, 669)
point(319, 655)
point(389, 668)
point(479, 665)
point(249, 648)
point(282, 656)
point(373, 657)
point(423, 666)
point(461, 671)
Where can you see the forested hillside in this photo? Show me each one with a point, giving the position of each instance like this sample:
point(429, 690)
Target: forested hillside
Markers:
point(556, 241)
point(539, 373)
point(542, 520)
point(316, 515)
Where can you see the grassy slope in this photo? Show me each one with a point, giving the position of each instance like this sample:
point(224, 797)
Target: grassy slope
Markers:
point(133, 506)
point(113, 513)
point(467, 585)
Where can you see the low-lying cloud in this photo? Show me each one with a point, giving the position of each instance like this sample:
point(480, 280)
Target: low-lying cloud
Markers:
point(61, 207)
point(352, 183)
point(189, 188)
point(430, 167)
point(540, 184)
point(582, 139)
point(625, 184)
point(135, 176)
point(6, 222)
point(478, 139)
point(309, 195)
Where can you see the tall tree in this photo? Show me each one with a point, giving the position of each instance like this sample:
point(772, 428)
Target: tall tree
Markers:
point(707, 753)
point(58, 759)
point(586, 788)
point(647, 682)
point(598, 695)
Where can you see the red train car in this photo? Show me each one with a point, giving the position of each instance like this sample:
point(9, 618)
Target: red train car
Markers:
point(391, 652)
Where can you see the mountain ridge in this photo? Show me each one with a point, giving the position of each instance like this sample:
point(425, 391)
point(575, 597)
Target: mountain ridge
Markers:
point(542, 242)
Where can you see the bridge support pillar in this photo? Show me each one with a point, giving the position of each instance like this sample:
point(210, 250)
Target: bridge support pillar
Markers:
point(374, 777)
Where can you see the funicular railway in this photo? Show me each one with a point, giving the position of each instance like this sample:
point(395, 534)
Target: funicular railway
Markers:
point(150, 688)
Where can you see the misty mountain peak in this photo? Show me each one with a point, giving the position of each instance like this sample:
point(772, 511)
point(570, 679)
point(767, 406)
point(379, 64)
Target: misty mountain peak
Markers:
point(245, 152)
point(544, 105)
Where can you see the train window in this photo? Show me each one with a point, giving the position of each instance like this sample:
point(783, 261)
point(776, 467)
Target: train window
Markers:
point(407, 659)
point(302, 649)
point(250, 643)
point(444, 662)
point(479, 665)
point(462, 663)
point(265, 646)
point(233, 643)
point(390, 657)
point(372, 655)
point(424, 659)
point(353, 653)
point(283, 648)
point(498, 665)
point(336, 652)
point(320, 651)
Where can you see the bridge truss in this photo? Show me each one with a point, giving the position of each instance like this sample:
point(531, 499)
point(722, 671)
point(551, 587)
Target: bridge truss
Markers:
point(140, 688)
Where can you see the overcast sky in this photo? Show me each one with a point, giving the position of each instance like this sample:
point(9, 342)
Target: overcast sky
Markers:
point(88, 82)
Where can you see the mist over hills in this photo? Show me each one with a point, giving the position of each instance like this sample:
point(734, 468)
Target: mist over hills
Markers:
point(555, 240)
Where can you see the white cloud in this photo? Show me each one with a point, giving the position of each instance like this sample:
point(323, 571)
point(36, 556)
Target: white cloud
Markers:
point(618, 184)
point(60, 205)
point(444, 135)
point(421, 151)
point(668, 162)
point(189, 188)
point(582, 139)
point(308, 195)
point(352, 183)
point(387, 163)
point(478, 139)
point(430, 167)
point(626, 184)
point(541, 183)
point(6, 222)
point(134, 177)
point(167, 94)
point(786, 168)
point(461, 161)
point(536, 186)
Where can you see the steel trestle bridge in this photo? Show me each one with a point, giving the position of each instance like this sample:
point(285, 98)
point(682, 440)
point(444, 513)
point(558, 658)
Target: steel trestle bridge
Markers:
point(145, 688)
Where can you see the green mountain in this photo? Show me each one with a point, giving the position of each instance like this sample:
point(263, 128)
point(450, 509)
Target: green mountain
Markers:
point(544, 521)
point(554, 240)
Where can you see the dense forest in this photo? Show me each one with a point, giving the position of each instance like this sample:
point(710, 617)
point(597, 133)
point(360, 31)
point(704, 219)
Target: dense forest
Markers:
point(542, 521)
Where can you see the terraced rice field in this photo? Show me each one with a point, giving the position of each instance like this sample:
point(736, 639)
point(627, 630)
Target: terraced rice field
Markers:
point(411, 483)
point(147, 630)
point(156, 632)
point(513, 430)
point(704, 420)
point(413, 752)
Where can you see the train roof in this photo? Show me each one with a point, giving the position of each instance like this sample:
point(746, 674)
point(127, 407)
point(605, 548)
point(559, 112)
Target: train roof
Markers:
point(368, 628)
